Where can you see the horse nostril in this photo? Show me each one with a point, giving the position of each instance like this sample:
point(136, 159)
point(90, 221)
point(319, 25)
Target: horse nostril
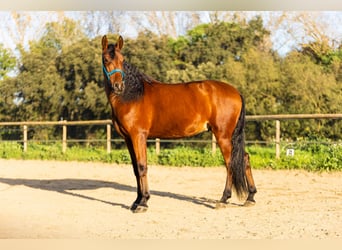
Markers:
point(117, 86)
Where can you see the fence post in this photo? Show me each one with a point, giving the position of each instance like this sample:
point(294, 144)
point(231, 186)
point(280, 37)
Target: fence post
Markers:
point(109, 146)
point(157, 146)
point(277, 140)
point(213, 143)
point(64, 137)
point(25, 138)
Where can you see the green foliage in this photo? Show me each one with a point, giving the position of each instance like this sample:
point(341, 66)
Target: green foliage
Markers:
point(62, 35)
point(307, 88)
point(7, 62)
point(10, 150)
point(219, 41)
point(34, 89)
point(189, 157)
point(82, 97)
point(310, 156)
point(60, 76)
point(149, 53)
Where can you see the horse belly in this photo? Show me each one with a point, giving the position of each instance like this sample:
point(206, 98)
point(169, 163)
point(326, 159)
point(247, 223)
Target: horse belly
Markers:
point(166, 126)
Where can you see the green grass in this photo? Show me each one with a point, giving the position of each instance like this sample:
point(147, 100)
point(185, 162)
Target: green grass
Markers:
point(308, 156)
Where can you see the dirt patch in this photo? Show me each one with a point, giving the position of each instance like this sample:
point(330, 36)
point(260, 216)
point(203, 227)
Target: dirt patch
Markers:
point(47, 199)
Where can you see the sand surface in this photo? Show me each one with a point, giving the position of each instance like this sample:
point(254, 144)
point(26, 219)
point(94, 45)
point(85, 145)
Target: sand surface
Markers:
point(48, 199)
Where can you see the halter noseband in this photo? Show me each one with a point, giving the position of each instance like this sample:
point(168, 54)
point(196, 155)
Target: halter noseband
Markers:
point(108, 74)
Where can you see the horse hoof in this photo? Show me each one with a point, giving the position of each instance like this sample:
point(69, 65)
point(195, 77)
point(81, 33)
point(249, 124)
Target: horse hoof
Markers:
point(249, 203)
point(139, 208)
point(220, 205)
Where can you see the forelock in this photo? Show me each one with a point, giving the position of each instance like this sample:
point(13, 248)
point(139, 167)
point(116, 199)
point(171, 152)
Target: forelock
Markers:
point(111, 50)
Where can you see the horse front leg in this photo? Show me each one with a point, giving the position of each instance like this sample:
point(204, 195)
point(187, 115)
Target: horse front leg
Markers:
point(135, 169)
point(140, 170)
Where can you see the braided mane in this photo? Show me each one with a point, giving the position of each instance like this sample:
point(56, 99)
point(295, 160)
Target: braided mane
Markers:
point(134, 86)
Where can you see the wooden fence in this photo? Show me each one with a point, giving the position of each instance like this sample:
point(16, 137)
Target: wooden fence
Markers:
point(107, 123)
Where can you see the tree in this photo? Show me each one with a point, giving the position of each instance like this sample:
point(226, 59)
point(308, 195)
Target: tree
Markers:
point(150, 54)
point(38, 84)
point(308, 88)
point(216, 42)
point(62, 34)
point(37, 90)
point(7, 62)
point(80, 67)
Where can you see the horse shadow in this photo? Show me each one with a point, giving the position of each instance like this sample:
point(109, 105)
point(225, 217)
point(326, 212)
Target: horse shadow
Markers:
point(66, 186)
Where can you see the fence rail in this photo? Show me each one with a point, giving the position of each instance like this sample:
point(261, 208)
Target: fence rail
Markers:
point(108, 123)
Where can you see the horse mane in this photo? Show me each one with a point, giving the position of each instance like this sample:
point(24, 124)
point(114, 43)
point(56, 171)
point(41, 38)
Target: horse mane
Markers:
point(134, 82)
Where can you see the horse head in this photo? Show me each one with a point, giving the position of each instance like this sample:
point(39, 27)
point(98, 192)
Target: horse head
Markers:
point(112, 64)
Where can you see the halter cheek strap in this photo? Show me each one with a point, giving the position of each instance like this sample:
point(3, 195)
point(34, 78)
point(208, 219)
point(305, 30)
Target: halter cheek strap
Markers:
point(108, 74)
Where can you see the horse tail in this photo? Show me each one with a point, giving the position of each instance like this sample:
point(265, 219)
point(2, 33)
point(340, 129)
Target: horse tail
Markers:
point(237, 163)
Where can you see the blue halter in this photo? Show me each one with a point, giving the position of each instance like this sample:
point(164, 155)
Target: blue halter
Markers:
point(108, 74)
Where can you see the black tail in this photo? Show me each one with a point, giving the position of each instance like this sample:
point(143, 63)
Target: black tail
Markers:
point(237, 162)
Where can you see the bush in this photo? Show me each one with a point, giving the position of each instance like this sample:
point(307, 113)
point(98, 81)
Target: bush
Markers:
point(311, 156)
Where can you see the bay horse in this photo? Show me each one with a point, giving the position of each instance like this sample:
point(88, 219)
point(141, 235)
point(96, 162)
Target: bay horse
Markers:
point(144, 108)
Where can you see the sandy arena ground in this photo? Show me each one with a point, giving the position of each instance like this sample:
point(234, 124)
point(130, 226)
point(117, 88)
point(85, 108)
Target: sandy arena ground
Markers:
point(47, 199)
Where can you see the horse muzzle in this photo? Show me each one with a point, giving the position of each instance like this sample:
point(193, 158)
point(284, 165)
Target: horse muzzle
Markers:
point(117, 88)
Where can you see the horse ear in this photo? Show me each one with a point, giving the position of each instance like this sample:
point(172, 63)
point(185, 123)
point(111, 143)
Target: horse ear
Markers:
point(120, 43)
point(104, 42)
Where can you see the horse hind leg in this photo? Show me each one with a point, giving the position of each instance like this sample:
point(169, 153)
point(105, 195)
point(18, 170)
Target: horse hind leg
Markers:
point(226, 148)
point(250, 182)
